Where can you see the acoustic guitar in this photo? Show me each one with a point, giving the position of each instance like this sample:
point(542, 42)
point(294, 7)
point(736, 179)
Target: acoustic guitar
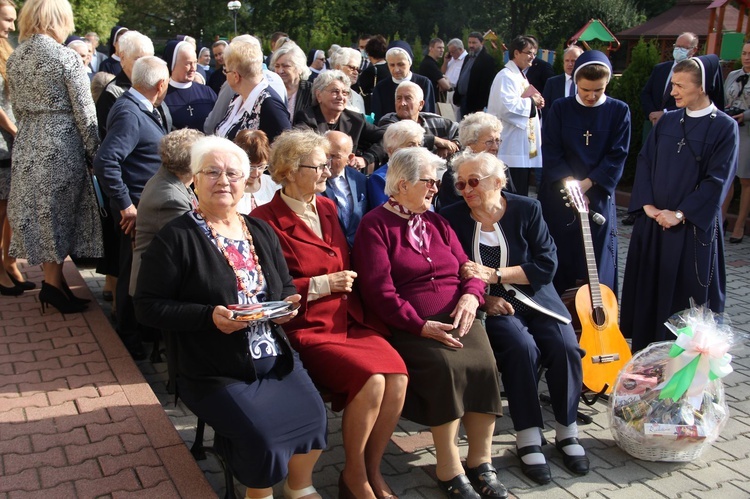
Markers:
point(606, 349)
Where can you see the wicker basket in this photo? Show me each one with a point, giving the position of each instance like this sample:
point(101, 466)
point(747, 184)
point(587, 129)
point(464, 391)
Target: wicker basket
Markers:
point(631, 435)
point(657, 452)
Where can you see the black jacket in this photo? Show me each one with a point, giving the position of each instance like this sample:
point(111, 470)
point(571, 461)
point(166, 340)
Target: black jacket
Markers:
point(183, 277)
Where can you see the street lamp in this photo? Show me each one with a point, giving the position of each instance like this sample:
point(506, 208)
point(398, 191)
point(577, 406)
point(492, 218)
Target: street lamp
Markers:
point(233, 7)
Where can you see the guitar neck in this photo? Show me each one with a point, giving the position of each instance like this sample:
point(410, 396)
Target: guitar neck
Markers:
point(588, 247)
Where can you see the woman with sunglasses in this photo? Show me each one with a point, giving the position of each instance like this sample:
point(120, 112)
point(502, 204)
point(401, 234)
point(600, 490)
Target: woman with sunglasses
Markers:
point(512, 252)
point(259, 188)
point(343, 349)
point(408, 259)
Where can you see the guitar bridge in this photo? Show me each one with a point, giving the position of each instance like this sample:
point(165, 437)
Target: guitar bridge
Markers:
point(605, 359)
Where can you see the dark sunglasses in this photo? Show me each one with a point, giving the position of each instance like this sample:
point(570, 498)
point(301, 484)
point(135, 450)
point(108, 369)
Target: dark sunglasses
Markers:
point(473, 182)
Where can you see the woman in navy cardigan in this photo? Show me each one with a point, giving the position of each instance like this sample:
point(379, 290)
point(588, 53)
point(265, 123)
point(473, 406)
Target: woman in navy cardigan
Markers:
point(510, 249)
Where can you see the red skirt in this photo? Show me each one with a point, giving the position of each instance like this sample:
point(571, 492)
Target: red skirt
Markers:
point(344, 368)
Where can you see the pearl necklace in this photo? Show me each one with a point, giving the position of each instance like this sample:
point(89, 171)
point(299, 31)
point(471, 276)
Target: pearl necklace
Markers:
point(240, 283)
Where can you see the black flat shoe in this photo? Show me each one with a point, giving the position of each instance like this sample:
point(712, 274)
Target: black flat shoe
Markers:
point(108, 296)
point(24, 285)
point(485, 482)
point(459, 487)
point(736, 240)
point(578, 465)
point(50, 295)
point(10, 290)
point(628, 220)
point(539, 473)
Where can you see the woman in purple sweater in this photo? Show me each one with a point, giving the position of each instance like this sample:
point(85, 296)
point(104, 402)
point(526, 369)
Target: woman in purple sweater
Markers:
point(408, 262)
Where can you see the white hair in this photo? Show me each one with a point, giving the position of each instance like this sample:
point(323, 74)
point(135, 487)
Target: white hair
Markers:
point(344, 56)
point(407, 164)
point(213, 143)
point(401, 133)
point(472, 126)
point(413, 86)
point(133, 44)
point(148, 71)
point(296, 55)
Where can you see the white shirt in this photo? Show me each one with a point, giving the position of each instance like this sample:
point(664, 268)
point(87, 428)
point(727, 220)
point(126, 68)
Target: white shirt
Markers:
point(513, 111)
point(140, 98)
point(454, 68)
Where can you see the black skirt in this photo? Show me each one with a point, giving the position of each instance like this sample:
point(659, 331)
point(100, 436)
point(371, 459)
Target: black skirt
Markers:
point(445, 382)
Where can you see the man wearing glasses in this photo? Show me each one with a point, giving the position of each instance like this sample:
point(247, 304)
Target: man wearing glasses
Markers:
point(346, 186)
point(517, 104)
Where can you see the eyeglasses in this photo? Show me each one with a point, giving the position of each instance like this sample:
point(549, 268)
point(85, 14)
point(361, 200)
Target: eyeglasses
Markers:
point(320, 168)
point(473, 183)
point(353, 69)
point(492, 142)
point(532, 54)
point(338, 93)
point(232, 175)
point(227, 71)
point(429, 182)
point(258, 168)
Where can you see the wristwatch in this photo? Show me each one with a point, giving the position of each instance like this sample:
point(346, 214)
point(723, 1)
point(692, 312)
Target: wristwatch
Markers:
point(499, 275)
point(679, 216)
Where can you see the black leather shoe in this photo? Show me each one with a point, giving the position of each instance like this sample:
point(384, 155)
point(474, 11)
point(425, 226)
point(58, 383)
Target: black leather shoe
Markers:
point(25, 285)
point(538, 473)
point(735, 240)
point(629, 220)
point(459, 487)
point(485, 482)
point(578, 465)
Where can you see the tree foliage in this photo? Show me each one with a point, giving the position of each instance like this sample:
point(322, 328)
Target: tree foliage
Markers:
point(95, 15)
point(320, 23)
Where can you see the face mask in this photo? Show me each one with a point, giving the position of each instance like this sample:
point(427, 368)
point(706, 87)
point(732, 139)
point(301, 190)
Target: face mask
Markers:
point(680, 54)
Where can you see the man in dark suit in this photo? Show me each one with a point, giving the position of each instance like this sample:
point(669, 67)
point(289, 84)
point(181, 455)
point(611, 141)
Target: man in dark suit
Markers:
point(561, 86)
point(127, 158)
point(346, 186)
point(539, 73)
point(655, 96)
point(474, 82)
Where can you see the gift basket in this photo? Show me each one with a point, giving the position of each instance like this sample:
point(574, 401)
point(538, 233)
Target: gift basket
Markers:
point(668, 402)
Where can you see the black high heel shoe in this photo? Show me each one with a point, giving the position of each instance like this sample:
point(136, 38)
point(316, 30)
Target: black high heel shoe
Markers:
point(10, 291)
point(24, 285)
point(74, 298)
point(50, 295)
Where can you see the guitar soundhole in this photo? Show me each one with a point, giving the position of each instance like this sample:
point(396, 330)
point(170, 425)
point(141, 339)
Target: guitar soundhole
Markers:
point(599, 316)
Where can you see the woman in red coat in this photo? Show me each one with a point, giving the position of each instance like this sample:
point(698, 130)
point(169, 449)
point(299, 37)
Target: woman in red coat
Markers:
point(343, 350)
